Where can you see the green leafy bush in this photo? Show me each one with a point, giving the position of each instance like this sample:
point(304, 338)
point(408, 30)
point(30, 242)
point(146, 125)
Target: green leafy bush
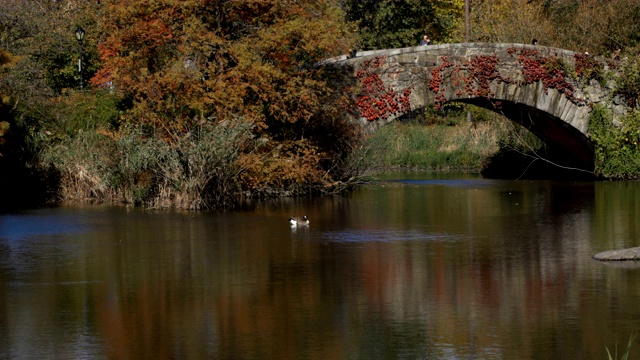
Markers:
point(617, 153)
point(629, 79)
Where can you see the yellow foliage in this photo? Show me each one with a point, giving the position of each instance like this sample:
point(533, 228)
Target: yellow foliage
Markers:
point(509, 21)
point(454, 11)
point(596, 26)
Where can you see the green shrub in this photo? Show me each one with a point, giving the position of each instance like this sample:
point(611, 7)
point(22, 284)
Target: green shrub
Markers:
point(79, 112)
point(628, 80)
point(196, 170)
point(617, 149)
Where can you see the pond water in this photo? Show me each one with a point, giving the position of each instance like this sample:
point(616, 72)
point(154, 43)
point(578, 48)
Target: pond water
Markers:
point(422, 266)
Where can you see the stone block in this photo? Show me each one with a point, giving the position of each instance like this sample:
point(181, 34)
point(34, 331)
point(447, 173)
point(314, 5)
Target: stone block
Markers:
point(620, 110)
point(545, 100)
point(499, 90)
point(560, 107)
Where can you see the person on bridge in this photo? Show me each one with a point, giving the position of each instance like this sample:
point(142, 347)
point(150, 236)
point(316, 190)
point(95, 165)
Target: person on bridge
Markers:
point(425, 41)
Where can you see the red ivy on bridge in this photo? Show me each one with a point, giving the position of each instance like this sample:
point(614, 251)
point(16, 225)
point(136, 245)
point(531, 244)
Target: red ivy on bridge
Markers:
point(482, 70)
point(377, 101)
point(549, 69)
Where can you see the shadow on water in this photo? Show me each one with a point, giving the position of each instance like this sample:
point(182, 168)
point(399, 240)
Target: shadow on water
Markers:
point(510, 164)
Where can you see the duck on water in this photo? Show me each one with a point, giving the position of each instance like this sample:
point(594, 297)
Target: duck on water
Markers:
point(299, 220)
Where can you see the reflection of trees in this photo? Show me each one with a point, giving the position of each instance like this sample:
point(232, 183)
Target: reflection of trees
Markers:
point(494, 272)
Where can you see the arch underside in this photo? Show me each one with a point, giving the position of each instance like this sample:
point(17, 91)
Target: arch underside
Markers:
point(570, 147)
point(562, 139)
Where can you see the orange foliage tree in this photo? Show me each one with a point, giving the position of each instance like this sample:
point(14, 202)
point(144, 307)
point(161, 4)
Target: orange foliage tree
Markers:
point(187, 62)
point(208, 59)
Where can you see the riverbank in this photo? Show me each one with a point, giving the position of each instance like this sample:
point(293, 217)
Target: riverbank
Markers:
point(143, 171)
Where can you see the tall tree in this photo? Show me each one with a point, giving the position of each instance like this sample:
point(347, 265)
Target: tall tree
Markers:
point(41, 35)
point(598, 27)
point(402, 23)
point(184, 63)
point(516, 21)
point(181, 60)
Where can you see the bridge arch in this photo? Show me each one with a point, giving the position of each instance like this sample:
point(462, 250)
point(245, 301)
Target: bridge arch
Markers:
point(535, 86)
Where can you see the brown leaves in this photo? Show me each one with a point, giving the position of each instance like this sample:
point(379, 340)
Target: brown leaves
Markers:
point(259, 66)
point(594, 26)
point(184, 62)
point(289, 165)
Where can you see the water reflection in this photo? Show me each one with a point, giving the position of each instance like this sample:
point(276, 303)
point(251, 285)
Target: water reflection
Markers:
point(387, 235)
point(434, 268)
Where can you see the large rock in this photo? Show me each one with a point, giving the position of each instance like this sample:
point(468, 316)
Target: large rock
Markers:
point(630, 254)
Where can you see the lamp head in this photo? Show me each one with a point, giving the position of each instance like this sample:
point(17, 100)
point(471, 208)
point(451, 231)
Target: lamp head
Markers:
point(79, 34)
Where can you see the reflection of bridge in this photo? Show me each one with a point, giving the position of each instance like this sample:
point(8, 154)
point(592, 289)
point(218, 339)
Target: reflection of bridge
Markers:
point(547, 90)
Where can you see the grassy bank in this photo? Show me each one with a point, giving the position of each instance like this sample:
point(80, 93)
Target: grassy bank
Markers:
point(461, 146)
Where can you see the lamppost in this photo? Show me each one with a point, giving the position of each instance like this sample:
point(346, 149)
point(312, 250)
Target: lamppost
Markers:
point(80, 37)
point(466, 38)
point(466, 20)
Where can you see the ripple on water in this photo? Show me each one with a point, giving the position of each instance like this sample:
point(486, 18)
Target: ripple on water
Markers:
point(389, 235)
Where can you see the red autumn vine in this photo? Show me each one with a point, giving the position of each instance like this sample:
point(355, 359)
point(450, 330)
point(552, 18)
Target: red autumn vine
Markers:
point(547, 69)
point(481, 71)
point(589, 68)
point(377, 100)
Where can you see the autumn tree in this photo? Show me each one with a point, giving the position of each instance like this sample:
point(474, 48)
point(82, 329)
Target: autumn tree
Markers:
point(180, 60)
point(394, 24)
point(509, 21)
point(189, 64)
point(597, 27)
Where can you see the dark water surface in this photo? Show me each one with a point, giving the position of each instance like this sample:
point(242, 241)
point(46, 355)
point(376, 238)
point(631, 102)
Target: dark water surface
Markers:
point(423, 267)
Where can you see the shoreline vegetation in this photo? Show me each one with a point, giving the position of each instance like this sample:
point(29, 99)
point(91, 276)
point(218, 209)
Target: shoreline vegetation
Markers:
point(213, 166)
point(205, 170)
point(198, 104)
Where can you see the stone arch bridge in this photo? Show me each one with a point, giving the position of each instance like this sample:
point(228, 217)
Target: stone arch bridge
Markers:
point(549, 91)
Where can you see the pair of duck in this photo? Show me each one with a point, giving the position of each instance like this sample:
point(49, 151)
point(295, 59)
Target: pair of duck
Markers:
point(299, 220)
